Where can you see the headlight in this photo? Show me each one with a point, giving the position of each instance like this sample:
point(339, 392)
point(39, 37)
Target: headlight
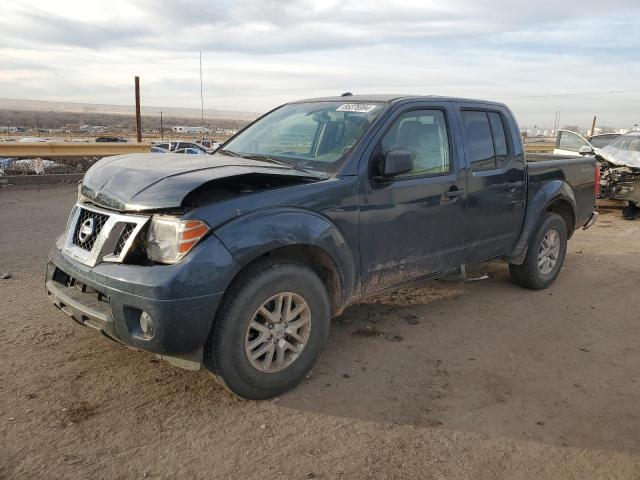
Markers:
point(169, 238)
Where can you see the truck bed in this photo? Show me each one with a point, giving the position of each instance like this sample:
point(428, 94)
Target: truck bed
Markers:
point(577, 172)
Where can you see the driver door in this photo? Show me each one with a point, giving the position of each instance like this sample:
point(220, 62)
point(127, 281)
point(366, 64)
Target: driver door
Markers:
point(412, 225)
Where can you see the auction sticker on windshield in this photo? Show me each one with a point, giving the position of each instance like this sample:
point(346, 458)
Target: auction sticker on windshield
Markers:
point(355, 107)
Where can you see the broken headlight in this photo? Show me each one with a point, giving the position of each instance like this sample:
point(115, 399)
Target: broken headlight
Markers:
point(169, 238)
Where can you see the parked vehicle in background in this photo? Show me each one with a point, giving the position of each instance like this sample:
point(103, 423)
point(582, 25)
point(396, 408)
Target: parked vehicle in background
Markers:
point(620, 166)
point(602, 140)
point(619, 160)
point(179, 145)
point(239, 262)
point(191, 151)
point(572, 143)
point(111, 139)
point(210, 145)
point(156, 149)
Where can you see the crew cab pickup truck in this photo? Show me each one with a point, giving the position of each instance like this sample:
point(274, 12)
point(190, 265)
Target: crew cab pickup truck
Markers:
point(237, 261)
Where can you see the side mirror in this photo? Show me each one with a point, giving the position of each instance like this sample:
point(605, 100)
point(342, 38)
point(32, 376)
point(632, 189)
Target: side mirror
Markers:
point(585, 150)
point(397, 162)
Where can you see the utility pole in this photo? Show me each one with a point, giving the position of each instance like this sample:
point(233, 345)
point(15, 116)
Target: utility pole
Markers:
point(201, 97)
point(161, 129)
point(138, 118)
point(38, 125)
point(593, 126)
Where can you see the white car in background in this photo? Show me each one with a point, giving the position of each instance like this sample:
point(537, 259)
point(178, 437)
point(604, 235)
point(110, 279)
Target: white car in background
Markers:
point(572, 143)
point(210, 145)
point(620, 172)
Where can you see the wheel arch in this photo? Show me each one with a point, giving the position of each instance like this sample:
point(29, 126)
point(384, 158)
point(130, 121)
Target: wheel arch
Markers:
point(300, 236)
point(554, 196)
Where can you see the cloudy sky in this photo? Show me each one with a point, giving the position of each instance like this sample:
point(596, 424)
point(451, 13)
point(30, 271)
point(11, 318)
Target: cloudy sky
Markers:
point(580, 57)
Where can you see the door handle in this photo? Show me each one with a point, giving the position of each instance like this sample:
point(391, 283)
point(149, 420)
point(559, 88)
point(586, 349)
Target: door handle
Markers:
point(513, 185)
point(454, 193)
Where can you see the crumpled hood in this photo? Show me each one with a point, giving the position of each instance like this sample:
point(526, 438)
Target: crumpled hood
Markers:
point(154, 181)
point(627, 158)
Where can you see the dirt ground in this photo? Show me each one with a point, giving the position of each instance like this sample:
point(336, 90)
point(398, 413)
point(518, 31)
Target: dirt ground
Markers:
point(452, 381)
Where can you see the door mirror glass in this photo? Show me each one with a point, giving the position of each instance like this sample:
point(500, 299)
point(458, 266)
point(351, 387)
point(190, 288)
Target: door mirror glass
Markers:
point(397, 162)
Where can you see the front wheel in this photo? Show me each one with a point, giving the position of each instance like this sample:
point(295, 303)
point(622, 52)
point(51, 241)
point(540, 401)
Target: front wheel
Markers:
point(270, 329)
point(545, 255)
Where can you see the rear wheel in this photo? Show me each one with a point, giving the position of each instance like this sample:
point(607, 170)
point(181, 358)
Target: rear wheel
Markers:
point(270, 329)
point(545, 255)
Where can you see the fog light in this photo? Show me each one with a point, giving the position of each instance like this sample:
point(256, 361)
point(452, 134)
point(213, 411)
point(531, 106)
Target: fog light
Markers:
point(147, 325)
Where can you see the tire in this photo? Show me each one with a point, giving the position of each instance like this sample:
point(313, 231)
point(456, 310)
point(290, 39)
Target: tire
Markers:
point(532, 275)
point(234, 335)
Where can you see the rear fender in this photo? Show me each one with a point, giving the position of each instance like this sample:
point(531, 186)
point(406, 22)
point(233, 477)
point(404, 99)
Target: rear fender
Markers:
point(549, 193)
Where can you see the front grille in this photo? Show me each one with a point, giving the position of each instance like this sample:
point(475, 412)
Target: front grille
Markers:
point(95, 235)
point(124, 236)
point(99, 220)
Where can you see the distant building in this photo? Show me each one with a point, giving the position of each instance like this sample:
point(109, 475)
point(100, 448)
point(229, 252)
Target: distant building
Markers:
point(187, 129)
point(93, 128)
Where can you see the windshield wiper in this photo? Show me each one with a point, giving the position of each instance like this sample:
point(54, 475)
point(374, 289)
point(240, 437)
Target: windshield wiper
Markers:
point(230, 153)
point(277, 161)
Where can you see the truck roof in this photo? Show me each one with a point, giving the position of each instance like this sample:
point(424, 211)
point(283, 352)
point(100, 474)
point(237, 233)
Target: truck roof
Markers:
point(391, 98)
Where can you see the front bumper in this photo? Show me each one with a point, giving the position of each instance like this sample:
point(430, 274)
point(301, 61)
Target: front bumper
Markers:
point(181, 299)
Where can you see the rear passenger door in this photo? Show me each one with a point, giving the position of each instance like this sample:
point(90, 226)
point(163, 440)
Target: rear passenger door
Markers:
point(495, 182)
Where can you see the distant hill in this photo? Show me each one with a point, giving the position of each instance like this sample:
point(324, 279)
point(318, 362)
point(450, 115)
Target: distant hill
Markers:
point(95, 108)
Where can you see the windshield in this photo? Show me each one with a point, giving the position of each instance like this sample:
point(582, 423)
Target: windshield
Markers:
point(313, 135)
point(630, 141)
point(600, 141)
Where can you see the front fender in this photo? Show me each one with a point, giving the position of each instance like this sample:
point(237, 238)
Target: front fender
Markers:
point(252, 235)
point(548, 193)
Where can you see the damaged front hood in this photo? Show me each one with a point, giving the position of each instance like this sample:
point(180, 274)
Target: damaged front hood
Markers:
point(152, 181)
point(626, 158)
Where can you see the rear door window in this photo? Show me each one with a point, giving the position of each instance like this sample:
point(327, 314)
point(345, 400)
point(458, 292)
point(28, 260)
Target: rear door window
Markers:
point(499, 137)
point(482, 155)
point(486, 136)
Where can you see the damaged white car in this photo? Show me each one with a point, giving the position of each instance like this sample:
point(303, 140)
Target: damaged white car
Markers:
point(620, 172)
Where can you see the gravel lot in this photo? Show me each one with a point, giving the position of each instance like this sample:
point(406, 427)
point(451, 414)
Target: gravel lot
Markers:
point(474, 380)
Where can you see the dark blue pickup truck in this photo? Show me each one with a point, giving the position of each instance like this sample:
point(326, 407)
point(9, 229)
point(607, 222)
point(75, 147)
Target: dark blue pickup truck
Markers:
point(238, 260)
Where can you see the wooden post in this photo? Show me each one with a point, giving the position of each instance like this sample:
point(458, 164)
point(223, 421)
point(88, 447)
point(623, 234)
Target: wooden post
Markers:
point(161, 129)
point(138, 119)
point(593, 126)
